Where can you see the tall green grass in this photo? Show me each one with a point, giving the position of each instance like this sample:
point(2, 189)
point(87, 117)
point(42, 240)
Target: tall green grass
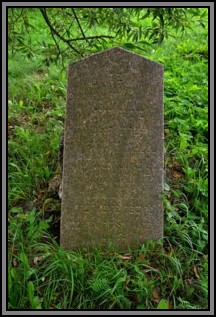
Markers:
point(169, 274)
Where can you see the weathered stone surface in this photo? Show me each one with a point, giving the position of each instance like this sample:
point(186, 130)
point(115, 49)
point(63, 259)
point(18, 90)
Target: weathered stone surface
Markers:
point(113, 151)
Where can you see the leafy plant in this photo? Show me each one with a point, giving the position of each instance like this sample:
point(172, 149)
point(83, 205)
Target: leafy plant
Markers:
point(84, 30)
point(171, 273)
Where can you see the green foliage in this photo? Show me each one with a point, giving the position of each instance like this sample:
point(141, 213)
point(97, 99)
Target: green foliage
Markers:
point(32, 117)
point(72, 32)
point(163, 304)
point(168, 274)
point(24, 231)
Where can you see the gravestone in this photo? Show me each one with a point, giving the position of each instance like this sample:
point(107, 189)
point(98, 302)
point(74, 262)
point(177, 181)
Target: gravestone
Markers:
point(113, 151)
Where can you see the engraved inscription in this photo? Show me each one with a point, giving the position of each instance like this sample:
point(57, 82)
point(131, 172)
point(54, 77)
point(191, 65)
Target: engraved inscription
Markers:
point(113, 155)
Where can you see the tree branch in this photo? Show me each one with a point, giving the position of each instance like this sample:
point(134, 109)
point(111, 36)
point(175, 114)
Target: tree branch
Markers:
point(91, 37)
point(80, 27)
point(53, 30)
point(58, 48)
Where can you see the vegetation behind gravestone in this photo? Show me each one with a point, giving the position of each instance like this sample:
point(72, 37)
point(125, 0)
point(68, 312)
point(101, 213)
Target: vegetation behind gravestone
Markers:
point(169, 274)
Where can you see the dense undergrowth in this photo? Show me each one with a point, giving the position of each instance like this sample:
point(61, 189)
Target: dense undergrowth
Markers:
point(169, 274)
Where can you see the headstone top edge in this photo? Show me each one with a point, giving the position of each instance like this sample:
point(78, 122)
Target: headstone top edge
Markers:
point(115, 48)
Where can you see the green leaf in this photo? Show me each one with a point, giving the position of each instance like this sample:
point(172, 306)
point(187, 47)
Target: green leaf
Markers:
point(16, 166)
point(202, 24)
point(161, 38)
point(145, 15)
point(163, 304)
point(166, 187)
point(183, 142)
point(23, 258)
point(129, 45)
point(132, 46)
point(140, 32)
point(135, 37)
point(21, 103)
point(162, 20)
point(203, 14)
point(36, 303)
point(31, 217)
point(43, 225)
point(144, 42)
point(30, 288)
point(68, 33)
point(44, 43)
point(13, 273)
point(16, 210)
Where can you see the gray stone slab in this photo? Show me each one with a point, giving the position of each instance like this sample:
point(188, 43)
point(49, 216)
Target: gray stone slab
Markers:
point(113, 151)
